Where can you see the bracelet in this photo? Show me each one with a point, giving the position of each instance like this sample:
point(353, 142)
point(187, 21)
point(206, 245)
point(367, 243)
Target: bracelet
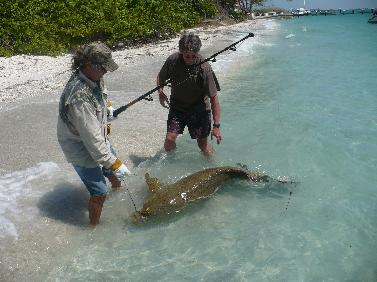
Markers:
point(217, 125)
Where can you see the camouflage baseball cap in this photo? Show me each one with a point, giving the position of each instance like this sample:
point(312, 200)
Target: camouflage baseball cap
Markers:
point(99, 53)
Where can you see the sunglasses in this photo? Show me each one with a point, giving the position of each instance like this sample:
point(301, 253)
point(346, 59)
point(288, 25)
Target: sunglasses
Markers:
point(188, 56)
point(100, 68)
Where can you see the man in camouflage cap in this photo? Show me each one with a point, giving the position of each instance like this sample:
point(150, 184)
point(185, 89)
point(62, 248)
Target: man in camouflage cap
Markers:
point(83, 123)
point(99, 53)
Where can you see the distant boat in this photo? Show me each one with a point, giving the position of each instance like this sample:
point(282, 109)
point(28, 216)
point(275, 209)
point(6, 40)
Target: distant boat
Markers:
point(301, 11)
point(327, 12)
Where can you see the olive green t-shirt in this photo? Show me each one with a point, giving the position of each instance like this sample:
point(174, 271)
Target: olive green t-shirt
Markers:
point(191, 86)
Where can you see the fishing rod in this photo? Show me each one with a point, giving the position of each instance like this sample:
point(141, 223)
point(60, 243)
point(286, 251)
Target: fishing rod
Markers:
point(147, 96)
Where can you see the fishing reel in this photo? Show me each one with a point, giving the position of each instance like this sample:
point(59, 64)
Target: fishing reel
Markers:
point(148, 98)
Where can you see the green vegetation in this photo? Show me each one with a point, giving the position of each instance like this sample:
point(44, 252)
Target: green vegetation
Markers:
point(239, 9)
point(51, 27)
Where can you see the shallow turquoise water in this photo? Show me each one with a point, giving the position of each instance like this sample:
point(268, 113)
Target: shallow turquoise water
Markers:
point(302, 105)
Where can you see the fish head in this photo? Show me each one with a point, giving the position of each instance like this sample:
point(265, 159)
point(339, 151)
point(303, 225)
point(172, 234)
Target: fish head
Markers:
point(160, 204)
point(136, 217)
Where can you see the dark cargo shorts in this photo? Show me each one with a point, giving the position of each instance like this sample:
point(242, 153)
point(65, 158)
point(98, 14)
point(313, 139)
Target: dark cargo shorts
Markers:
point(198, 123)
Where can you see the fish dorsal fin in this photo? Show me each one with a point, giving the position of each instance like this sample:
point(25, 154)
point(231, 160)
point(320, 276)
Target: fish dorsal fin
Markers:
point(153, 183)
point(243, 166)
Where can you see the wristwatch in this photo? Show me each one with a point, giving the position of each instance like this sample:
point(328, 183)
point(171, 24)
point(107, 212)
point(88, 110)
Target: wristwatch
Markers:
point(216, 125)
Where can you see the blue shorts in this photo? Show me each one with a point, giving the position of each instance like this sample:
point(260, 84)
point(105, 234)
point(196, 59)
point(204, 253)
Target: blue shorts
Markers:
point(198, 123)
point(93, 178)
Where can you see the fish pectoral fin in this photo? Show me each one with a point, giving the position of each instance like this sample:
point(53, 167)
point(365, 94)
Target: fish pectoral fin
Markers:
point(153, 183)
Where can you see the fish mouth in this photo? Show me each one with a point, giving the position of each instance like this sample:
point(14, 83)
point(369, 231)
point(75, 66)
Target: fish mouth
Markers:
point(144, 213)
point(139, 216)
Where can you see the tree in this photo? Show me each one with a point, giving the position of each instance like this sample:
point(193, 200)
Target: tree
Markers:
point(247, 5)
point(254, 2)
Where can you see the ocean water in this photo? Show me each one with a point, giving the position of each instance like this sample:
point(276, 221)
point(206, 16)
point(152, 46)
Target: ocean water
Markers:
point(298, 101)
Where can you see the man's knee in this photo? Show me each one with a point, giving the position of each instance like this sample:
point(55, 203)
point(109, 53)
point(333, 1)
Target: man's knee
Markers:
point(169, 144)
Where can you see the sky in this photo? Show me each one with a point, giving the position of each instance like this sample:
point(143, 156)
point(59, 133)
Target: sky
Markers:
point(323, 4)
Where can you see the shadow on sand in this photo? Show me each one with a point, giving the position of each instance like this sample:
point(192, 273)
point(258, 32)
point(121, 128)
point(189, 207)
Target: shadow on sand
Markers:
point(136, 160)
point(148, 161)
point(66, 203)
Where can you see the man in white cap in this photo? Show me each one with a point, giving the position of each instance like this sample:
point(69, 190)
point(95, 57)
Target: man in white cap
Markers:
point(82, 125)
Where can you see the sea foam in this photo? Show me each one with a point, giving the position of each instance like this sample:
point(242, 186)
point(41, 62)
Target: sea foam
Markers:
point(14, 186)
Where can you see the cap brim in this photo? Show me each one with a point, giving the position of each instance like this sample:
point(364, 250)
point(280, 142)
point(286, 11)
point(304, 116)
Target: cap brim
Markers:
point(110, 65)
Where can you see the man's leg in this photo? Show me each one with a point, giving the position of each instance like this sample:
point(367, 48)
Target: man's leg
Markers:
point(175, 125)
point(169, 144)
point(206, 148)
point(96, 184)
point(95, 208)
point(199, 127)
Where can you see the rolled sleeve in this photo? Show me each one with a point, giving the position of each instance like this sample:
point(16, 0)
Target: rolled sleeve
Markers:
point(163, 74)
point(211, 82)
point(166, 70)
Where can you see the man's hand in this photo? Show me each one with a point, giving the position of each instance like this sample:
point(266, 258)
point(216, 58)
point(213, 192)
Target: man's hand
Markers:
point(164, 101)
point(217, 133)
point(110, 111)
point(120, 170)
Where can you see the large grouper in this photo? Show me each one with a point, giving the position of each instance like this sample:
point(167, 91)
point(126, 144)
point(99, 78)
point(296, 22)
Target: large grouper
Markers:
point(171, 198)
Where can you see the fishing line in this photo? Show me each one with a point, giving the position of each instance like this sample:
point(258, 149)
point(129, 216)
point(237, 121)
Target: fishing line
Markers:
point(243, 32)
point(194, 70)
point(279, 116)
point(132, 200)
point(287, 204)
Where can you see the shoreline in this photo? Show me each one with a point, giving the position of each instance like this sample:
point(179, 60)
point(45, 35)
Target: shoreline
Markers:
point(35, 177)
point(138, 133)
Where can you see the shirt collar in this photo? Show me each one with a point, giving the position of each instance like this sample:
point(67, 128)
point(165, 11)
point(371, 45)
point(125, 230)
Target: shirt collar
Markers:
point(92, 84)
